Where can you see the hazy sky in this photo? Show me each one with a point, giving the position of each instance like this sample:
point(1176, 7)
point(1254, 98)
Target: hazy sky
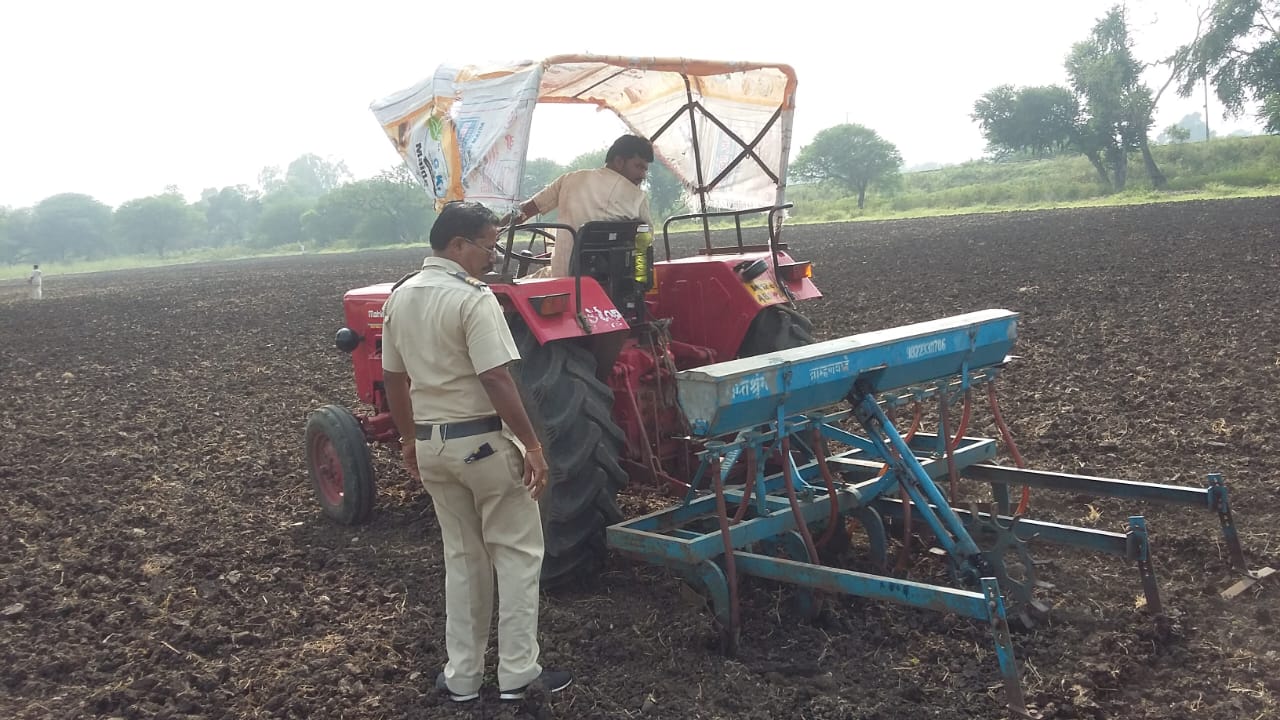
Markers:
point(119, 99)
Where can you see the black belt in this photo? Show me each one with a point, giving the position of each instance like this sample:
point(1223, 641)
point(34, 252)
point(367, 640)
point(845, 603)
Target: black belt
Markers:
point(460, 429)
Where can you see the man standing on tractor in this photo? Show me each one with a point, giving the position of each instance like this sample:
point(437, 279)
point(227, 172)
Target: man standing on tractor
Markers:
point(611, 192)
point(466, 435)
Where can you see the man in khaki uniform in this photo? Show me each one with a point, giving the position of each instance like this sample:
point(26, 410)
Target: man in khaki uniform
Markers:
point(445, 350)
point(608, 193)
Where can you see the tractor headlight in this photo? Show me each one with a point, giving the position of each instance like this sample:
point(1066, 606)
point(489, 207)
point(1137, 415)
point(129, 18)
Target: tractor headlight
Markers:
point(347, 340)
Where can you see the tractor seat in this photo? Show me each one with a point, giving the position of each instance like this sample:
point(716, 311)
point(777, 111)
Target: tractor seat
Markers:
point(606, 251)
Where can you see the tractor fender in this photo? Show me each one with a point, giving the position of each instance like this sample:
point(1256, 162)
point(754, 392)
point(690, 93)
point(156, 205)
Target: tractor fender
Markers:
point(712, 305)
point(549, 309)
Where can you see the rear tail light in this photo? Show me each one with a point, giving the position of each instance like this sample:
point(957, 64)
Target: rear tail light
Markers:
point(795, 272)
point(550, 304)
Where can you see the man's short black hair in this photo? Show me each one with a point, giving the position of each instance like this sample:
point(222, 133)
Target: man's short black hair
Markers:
point(460, 219)
point(629, 146)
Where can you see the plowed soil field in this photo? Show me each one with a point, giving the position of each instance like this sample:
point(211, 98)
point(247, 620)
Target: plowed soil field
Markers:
point(162, 556)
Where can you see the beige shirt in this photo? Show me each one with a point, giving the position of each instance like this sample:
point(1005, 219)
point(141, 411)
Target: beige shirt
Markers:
point(585, 195)
point(444, 328)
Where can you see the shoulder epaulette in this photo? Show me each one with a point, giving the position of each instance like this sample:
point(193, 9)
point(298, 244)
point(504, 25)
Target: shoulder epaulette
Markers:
point(469, 280)
point(406, 277)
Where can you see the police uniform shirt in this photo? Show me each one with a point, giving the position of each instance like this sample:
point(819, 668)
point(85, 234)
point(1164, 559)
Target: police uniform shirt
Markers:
point(444, 327)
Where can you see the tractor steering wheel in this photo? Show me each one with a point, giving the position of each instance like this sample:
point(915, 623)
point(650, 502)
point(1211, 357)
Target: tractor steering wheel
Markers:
point(526, 257)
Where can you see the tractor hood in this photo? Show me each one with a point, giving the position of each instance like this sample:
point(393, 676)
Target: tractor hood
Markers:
point(723, 128)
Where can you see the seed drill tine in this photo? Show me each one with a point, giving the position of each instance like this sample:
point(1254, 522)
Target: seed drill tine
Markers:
point(1218, 503)
point(1140, 552)
point(1004, 650)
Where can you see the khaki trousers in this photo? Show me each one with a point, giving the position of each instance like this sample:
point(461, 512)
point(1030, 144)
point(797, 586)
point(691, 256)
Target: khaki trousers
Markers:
point(488, 523)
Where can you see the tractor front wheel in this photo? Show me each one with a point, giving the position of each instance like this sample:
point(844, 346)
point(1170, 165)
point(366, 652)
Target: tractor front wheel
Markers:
point(340, 466)
point(776, 327)
point(572, 412)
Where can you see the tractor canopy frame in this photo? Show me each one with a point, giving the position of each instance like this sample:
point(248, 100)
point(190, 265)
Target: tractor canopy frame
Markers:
point(723, 128)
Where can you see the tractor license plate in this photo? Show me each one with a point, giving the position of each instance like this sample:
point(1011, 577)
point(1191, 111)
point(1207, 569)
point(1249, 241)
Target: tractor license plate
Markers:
point(765, 291)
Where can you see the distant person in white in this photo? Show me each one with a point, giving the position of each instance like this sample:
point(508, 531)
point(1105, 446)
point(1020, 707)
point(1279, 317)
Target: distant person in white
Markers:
point(36, 283)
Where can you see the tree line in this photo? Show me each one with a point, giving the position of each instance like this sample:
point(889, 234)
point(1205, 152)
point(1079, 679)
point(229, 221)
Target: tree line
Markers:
point(1105, 114)
point(311, 204)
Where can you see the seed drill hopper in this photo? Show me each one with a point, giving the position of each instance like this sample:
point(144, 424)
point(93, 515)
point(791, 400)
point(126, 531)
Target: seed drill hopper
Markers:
point(767, 494)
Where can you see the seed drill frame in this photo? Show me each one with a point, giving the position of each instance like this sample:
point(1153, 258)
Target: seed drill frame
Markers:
point(785, 405)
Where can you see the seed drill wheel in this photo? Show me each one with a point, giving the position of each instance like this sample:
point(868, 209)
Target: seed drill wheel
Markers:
point(339, 464)
point(776, 327)
point(572, 412)
point(1013, 566)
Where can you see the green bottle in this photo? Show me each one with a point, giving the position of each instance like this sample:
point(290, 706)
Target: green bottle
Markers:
point(644, 241)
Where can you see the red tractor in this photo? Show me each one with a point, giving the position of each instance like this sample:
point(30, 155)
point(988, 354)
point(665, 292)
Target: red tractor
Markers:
point(599, 349)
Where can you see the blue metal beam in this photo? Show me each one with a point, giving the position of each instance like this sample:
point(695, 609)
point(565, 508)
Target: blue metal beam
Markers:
point(1112, 543)
point(1088, 485)
point(647, 537)
point(877, 587)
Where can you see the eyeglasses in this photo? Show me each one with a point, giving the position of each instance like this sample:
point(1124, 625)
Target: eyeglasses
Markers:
point(492, 249)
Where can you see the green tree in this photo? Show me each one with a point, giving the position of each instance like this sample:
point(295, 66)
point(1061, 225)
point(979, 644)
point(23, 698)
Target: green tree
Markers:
point(1118, 106)
point(388, 208)
point(280, 223)
point(1240, 52)
point(310, 176)
point(13, 234)
point(1173, 134)
point(587, 160)
point(9, 247)
point(158, 224)
point(271, 179)
point(850, 155)
point(395, 209)
point(1035, 121)
point(230, 214)
point(69, 225)
point(667, 195)
point(538, 173)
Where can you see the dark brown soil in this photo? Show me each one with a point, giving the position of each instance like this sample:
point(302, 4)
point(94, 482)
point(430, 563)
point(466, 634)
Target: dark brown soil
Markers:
point(163, 557)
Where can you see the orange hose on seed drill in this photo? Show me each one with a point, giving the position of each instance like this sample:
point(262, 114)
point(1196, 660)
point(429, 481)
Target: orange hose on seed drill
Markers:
point(964, 419)
point(953, 475)
point(730, 564)
point(1025, 502)
point(795, 503)
point(820, 450)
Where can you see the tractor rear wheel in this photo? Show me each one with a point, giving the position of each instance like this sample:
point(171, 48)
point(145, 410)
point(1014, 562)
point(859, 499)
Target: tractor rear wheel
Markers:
point(774, 328)
point(572, 412)
point(340, 465)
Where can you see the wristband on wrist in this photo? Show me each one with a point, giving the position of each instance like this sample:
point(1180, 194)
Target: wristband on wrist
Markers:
point(535, 448)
